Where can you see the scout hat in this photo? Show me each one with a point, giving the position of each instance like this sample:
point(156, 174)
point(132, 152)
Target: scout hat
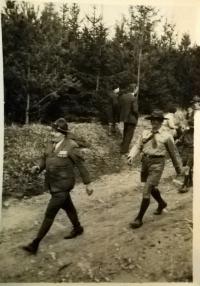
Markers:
point(156, 114)
point(60, 125)
point(195, 99)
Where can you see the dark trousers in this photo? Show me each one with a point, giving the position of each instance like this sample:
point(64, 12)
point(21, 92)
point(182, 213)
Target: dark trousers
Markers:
point(128, 133)
point(58, 201)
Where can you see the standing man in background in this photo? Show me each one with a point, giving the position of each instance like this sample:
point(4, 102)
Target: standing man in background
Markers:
point(128, 105)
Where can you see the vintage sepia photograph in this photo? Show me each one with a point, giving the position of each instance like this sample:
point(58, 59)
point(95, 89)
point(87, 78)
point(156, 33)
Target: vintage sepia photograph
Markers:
point(100, 100)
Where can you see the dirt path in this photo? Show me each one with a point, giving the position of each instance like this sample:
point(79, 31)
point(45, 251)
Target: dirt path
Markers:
point(109, 250)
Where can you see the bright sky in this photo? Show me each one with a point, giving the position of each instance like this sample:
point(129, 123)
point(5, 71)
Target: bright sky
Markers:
point(186, 18)
point(183, 13)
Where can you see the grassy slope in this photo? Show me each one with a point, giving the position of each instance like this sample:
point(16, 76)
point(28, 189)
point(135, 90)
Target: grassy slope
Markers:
point(24, 145)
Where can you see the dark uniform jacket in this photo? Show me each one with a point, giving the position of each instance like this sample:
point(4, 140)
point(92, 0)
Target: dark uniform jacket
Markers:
point(128, 108)
point(60, 165)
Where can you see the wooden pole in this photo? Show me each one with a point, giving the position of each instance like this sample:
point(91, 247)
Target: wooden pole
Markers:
point(28, 93)
point(139, 68)
point(139, 59)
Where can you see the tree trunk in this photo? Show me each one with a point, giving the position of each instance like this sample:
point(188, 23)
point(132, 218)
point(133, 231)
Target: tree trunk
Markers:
point(97, 81)
point(27, 108)
point(28, 93)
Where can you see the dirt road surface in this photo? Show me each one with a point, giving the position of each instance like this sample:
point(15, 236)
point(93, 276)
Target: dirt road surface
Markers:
point(108, 251)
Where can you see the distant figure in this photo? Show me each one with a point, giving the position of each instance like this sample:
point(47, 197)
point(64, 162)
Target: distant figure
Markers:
point(195, 105)
point(186, 141)
point(113, 110)
point(59, 160)
point(153, 145)
point(169, 123)
point(196, 102)
point(180, 121)
point(128, 103)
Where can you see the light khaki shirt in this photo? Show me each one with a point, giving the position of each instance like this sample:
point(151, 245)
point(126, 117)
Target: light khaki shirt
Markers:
point(164, 142)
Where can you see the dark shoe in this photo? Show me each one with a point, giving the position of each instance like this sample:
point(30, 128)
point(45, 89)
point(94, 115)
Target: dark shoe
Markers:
point(183, 190)
point(32, 248)
point(136, 224)
point(160, 208)
point(75, 232)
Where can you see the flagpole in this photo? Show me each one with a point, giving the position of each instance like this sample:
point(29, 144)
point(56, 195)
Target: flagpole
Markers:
point(139, 61)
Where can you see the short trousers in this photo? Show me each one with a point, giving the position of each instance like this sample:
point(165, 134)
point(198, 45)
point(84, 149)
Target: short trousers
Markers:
point(152, 169)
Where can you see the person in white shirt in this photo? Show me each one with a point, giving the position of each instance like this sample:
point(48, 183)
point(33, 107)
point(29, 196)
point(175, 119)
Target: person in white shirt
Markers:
point(169, 124)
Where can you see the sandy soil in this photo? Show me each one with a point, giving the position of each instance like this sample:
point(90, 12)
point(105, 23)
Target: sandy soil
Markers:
point(108, 251)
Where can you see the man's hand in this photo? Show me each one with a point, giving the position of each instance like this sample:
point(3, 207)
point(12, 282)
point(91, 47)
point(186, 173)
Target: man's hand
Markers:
point(130, 159)
point(89, 189)
point(179, 170)
point(135, 91)
point(35, 170)
point(185, 170)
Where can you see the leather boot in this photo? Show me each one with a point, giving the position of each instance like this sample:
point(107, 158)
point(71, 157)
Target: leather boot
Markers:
point(32, 248)
point(161, 203)
point(138, 220)
point(75, 232)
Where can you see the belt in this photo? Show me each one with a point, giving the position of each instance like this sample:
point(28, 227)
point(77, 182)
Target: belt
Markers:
point(153, 156)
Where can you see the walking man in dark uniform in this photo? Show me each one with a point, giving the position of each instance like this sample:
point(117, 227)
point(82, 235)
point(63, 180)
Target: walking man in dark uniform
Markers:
point(153, 144)
point(128, 103)
point(61, 156)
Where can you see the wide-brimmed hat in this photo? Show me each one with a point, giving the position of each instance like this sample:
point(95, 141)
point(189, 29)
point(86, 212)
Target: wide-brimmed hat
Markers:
point(60, 125)
point(156, 114)
point(195, 99)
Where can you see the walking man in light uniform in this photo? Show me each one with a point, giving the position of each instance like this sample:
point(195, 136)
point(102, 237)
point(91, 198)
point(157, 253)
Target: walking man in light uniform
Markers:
point(153, 145)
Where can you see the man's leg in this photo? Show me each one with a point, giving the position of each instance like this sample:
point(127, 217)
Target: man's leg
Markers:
point(143, 207)
point(161, 203)
point(53, 207)
point(113, 127)
point(129, 129)
point(73, 217)
point(190, 177)
point(123, 138)
point(109, 128)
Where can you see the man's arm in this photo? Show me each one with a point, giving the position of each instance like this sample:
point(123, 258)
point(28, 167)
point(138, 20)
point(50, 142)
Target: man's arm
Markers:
point(135, 150)
point(170, 146)
point(37, 169)
point(135, 92)
point(78, 160)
